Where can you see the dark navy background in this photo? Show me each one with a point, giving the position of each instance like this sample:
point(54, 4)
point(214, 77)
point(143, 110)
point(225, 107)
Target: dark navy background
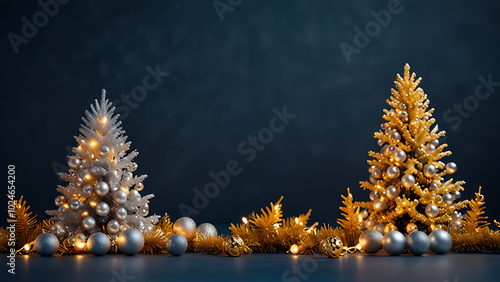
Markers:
point(225, 78)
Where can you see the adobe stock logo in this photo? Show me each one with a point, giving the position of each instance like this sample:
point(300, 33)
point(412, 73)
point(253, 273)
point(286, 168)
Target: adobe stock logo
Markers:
point(372, 29)
point(50, 9)
point(249, 150)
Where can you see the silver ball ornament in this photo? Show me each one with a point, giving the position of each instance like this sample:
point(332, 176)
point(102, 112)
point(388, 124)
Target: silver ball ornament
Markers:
point(431, 210)
point(403, 115)
point(370, 223)
point(429, 170)
point(408, 180)
point(177, 245)
point(134, 195)
point(380, 228)
point(364, 213)
point(380, 142)
point(120, 197)
point(88, 223)
point(430, 148)
point(399, 156)
point(417, 243)
point(113, 226)
point(121, 213)
point(373, 195)
point(371, 241)
point(392, 172)
point(391, 192)
point(448, 199)
point(206, 230)
point(46, 244)
point(101, 188)
point(74, 205)
point(104, 150)
point(75, 163)
point(394, 243)
point(186, 227)
point(87, 190)
point(456, 195)
point(457, 215)
point(376, 172)
point(98, 243)
point(440, 241)
point(144, 210)
point(60, 200)
point(102, 209)
point(435, 142)
point(451, 167)
point(379, 205)
point(130, 241)
point(395, 136)
point(58, 229)
point(433, 187)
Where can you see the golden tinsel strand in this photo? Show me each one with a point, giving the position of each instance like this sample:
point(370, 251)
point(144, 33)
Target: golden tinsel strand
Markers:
point(154, 241)
point(211, 245)
point(475, 218)
point(351, 220)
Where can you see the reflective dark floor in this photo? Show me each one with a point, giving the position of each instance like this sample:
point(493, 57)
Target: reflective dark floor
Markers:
point(263, 267)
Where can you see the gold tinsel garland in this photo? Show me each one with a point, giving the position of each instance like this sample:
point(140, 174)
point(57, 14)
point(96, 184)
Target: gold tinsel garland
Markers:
point(267, 232)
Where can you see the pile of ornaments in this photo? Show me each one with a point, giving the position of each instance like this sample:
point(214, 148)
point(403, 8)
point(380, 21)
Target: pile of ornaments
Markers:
point(131, 240)
point(394, 242)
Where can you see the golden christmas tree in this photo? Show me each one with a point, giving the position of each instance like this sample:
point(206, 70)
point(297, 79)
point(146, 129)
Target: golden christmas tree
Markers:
point(407, 177)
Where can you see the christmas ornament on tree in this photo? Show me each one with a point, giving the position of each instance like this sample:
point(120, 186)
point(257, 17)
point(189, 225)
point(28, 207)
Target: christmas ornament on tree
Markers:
point(409, 191)
point(102, 194)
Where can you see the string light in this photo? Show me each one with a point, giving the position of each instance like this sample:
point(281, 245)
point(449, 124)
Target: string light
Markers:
point(27, 247)
point(294, 249)
point(245, 220)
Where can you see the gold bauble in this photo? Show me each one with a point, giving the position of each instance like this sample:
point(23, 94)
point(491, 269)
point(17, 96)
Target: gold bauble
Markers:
point(331, 246)
point(234, 246)
point(186, 227)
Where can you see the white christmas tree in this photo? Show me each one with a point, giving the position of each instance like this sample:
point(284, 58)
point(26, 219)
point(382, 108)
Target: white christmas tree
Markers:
point(102, 194)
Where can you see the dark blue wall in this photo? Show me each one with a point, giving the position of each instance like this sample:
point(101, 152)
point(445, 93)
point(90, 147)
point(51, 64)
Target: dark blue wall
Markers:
point(225, 78)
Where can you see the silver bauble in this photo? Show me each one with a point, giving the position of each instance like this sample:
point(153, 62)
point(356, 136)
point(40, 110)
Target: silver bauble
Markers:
point(430, 148)
point(403, 115)
point(380, 228)
point(370, 223)
point(433, 187)
point(144, 210)
point(46, 244)
point(87, 190)
point(408, 180)
point(102, 209)
point(101, 188)
point(58, 229)
point(206, 230)
point(395, 136)
point(134, 195)
point(364, 213)
point(373, 180)
point(429, 170)
point(120, 197)
point(130, 241)
point(88, 223)
point(391, 192)
point(113, 226)
point(448, 199)
point(417, 243)
point(431, 210)
point(435, 142)
point(371, 241)
point(373, 195)
point(186, 227)
point(380, 142)
point(104, 150)
point(121, 213)
point(394, 243)
point(392, 172)
point(456, 195)
point(451, 167)
point(457, 215)
point(98, 243)
point(399, 156)
point(75, 205)
point(379, 205)
point(177, 245)
point(75, 163)
point(440, 241)
point(376, 172)
point(60, 200)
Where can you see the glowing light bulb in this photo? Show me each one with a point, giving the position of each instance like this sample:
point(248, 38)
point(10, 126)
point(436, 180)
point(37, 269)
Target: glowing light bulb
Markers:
point(297, 220)
point(85, 213)
point(27, 247)
point(104, 119)
point(276, 225)
point(88, 176)
point(358, 246)
point(294, 249)
point(276, 207)
point(92, 143)
point(93, 204)
point(245, 220)
point(80, 245)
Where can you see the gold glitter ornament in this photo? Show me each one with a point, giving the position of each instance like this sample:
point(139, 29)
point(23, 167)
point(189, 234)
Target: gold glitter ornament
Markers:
point(234, 246)
point(332, 247)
